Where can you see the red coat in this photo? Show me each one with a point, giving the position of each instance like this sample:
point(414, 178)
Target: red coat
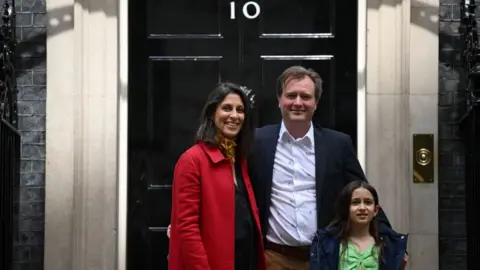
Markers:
point(203, 212)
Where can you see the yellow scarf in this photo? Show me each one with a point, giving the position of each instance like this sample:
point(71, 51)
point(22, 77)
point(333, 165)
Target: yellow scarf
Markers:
point(227, 146)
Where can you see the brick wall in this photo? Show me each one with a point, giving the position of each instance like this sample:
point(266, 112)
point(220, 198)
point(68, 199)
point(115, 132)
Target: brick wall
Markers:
point(452, 225)
point(31, 34)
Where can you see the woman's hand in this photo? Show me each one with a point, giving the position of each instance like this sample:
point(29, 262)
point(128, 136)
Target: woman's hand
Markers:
point(168, 230)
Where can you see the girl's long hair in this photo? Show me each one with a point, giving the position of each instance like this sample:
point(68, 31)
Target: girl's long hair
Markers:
point(342, 215)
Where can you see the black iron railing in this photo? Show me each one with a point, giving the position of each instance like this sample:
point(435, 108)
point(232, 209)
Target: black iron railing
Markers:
point(9, 176)
point(470, 128)
point(9, 135)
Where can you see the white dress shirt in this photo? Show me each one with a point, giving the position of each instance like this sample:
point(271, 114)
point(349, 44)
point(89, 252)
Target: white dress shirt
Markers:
point(293, 209)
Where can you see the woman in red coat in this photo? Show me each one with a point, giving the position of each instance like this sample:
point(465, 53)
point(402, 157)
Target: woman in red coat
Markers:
point(215, 223)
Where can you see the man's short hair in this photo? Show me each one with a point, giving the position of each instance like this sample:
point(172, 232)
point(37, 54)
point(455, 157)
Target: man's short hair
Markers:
point(299, 72)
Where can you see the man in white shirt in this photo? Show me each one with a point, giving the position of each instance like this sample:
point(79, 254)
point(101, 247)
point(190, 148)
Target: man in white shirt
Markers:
point(297, 169)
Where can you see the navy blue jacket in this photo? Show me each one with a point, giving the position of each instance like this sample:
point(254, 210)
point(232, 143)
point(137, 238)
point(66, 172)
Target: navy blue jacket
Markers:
point(325, 250)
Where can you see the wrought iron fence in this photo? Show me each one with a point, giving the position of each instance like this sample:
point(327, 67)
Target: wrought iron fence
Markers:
point(9, 176)
point(9, 135)
point(470, 128)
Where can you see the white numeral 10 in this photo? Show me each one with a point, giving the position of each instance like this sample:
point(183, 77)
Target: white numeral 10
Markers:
point(245, 10)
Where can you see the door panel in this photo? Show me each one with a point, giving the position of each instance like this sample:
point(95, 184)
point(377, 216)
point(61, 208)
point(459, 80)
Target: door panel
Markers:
point(296, 17)
point(307, 33)
point(174, 101)
point(183, 17)
point(179, 50)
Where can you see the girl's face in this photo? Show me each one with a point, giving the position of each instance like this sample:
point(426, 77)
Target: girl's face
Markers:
point(362, 207)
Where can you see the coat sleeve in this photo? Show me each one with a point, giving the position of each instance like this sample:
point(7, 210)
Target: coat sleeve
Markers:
point(353, 171)
point(186, 197)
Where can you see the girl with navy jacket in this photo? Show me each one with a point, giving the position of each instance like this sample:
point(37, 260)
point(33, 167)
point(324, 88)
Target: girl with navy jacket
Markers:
point(354, 240)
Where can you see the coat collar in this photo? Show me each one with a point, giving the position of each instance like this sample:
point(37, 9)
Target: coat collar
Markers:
point(384, 231)
point(321, 150)
point(212, 152)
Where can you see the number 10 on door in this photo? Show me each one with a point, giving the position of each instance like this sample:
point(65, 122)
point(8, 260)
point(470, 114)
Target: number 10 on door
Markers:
point(245, 11)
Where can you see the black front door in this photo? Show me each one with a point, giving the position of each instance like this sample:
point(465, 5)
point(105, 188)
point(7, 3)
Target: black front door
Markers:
point(179, 50)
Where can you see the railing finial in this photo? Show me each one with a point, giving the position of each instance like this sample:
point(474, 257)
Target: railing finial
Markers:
point(8, 84)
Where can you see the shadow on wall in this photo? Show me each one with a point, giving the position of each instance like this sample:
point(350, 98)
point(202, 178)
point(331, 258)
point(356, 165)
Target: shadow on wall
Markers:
point(452, 87)
point(451, 107)
point(31, 50)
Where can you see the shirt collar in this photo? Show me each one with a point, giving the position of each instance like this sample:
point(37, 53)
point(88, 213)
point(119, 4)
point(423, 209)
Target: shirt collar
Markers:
point(284, 135)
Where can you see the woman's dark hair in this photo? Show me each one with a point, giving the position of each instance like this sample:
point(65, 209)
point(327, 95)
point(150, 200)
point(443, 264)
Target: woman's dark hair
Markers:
point(207, 131)
point(342, 213)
